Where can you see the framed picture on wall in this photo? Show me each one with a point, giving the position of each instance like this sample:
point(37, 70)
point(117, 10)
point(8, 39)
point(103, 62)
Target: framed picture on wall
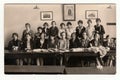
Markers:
point(69, 12)
point(46, 15)
point(91, 14)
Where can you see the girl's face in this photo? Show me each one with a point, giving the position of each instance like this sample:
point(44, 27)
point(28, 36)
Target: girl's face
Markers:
point(89, 23)
point(40, 30)
point(63, 26)
point(98, 22)
point(27, 27)
point(73, 36)
point(63, 35)
point(111, 40)
point(46, 26)
point(80, 24)
point(53, 24)
point(69, 26)
point(15, 37)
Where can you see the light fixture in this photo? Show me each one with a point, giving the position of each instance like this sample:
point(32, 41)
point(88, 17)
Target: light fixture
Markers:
point(36, 7)
point(109, 7)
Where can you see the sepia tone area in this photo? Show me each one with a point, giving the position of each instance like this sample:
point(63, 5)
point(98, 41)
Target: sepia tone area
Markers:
point(60, 38)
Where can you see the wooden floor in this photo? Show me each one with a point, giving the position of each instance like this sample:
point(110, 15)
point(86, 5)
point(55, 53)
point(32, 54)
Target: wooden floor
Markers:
point(34, 69)
point(90, 70)
point(13, 69)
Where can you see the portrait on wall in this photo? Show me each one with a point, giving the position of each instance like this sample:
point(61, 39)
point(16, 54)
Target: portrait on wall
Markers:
point(46, 15)
point(91, 14)
point(69, 12)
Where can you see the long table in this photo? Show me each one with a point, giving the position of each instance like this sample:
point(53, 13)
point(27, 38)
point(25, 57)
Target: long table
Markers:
point(62, 56)
point(67, 55)
point(32, 55)
point(55, 69)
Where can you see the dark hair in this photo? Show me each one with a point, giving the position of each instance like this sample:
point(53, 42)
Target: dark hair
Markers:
point(80, 21)
point(39, 28)
point(89, 20)
point(98, 19)
point(62, 24)
point(69, 23)
point(53, 22)
point(27, 24)
point(14, 34)
point(107, 36)
point(45, 24)
point(73, 34)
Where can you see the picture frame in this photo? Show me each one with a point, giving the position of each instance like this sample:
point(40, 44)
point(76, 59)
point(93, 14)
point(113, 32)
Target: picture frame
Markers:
point(46, 15)
point(91, 14)
point(69, 12)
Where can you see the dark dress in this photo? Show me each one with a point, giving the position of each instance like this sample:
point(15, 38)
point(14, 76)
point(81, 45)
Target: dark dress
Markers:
point(85, 43)
point(74, 43)
point(24, 45)
point(53, 31)
point(52, 44)
point(38, 44)
point(46, 31)
point(14, 43)
point(25, 32)
point(79, 31)
point(100, 30)
point(37, 35)
point(106, 44)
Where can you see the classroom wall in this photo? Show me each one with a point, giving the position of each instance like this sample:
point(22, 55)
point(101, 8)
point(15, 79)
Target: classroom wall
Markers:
point(16, 15)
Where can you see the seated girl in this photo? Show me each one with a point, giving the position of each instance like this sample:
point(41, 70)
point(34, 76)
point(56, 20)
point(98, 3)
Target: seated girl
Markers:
point(15, 45)
point(52, 43)
point(63, 42)
point(28, 46)
point(28, 42)
point(96, 43)
point(109, 60)
point(109, 42)
point(84, 41)
point(41, 43)
point(74, 42)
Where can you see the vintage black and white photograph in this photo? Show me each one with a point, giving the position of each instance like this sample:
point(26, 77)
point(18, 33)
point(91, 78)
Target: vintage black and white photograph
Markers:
point(60, 38)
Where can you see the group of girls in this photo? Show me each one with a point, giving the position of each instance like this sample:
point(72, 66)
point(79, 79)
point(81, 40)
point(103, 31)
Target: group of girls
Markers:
point(61, 38)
